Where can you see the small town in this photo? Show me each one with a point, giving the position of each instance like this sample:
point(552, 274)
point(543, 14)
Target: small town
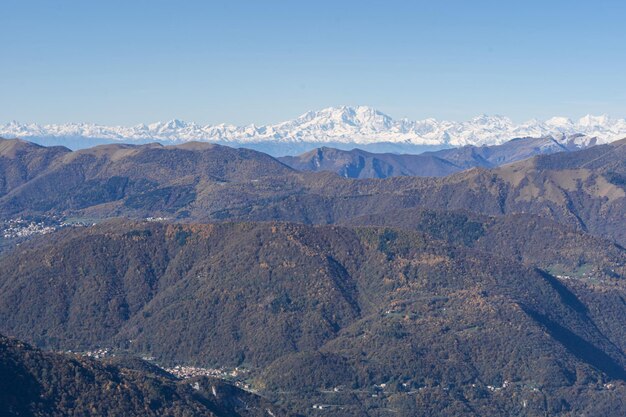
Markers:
point(18, 228)
point(234, 375)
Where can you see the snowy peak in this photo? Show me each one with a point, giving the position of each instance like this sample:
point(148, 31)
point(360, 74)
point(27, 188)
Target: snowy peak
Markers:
point(343, 119)
point(560, 122)
point(486, 120)
point(359, 125)
point(594, 121)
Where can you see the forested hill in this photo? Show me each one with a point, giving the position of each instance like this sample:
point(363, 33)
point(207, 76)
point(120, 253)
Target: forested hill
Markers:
point(366, 310)
point(38, 383)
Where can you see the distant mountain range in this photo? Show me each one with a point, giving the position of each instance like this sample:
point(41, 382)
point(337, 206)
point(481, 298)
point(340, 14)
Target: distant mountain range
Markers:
point(357, 163)
point(340, 127)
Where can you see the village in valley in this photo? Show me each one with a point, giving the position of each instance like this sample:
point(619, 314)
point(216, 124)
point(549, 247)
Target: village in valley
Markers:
point(237, 376)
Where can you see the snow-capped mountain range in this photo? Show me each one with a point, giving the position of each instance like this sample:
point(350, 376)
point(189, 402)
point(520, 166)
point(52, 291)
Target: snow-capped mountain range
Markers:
point(345, 126)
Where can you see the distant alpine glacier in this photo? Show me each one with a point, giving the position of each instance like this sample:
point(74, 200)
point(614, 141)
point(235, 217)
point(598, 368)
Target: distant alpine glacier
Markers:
point(342, 127)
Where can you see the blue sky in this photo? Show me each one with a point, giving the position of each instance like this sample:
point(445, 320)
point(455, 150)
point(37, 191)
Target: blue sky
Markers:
point(126, 62)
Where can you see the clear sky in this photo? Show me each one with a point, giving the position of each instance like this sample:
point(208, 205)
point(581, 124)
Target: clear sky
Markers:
point(264, 61)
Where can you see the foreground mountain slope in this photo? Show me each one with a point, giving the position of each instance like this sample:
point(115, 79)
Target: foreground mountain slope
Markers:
point(357, 163)
point(309, 309)
point(37, 383)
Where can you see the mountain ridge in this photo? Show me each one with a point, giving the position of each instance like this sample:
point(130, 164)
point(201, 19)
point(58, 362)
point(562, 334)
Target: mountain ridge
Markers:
point(583, 189)
point(357, 163)
point(333, 126)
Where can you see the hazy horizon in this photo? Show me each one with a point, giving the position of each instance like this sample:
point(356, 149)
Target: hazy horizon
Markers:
point(295, 116)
